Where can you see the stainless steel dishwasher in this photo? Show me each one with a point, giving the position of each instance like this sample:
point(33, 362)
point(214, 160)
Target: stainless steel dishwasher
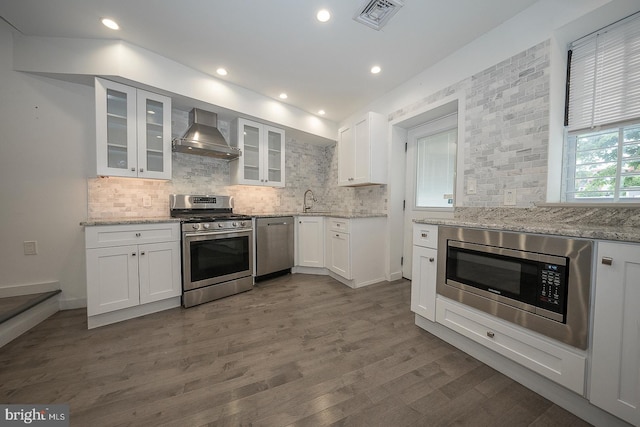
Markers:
point(274, 246)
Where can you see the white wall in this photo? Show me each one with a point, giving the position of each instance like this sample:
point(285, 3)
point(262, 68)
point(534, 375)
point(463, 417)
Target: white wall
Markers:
point(122, 61)
point(46, 152)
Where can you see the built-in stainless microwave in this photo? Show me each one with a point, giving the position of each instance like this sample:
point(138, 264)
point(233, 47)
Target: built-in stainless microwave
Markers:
point(540, 282)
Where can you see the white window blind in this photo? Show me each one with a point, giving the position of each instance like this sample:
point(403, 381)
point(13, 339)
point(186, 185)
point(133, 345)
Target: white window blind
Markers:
point(604, 83)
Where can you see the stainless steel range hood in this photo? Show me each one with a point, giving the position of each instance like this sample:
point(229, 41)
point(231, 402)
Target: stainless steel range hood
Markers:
point(203, 137)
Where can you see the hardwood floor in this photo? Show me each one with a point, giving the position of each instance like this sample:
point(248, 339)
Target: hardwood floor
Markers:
point(298, 350)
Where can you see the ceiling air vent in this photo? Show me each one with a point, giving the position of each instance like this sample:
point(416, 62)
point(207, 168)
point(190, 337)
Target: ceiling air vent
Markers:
point(376, 13)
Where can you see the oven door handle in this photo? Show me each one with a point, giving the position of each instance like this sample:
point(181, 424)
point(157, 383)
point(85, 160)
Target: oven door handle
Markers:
point(216, 233)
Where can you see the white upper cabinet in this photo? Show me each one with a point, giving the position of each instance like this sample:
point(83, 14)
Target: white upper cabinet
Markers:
point(133, 131)
point(362, 151)
point(263, 154)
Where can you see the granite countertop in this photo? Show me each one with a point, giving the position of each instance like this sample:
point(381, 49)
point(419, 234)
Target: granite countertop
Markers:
point(347, 215)
point(587, 231)
point(126, 221)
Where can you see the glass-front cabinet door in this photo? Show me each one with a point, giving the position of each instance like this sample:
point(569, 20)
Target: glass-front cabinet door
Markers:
point(251, 136)
point(154, 135)
point(263, 154)
point(274, 156)
point(116, 129)
point(133, 132)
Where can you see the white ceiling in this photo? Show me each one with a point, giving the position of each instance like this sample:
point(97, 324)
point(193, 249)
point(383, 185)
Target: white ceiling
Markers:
point(274, 46)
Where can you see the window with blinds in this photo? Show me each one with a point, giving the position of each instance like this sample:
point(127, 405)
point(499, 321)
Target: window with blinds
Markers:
point(602, 149)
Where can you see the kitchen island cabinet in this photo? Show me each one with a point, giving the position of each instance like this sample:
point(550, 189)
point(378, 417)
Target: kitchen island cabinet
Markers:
point(355, 250)
point(615, 366)
point(423, 283)
point(132, 270)
point(263, 154)
point(133, 131)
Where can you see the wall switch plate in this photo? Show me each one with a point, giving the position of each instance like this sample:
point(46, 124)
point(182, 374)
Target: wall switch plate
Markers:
point(472, 183)
point(30, 247)
point(510, 197)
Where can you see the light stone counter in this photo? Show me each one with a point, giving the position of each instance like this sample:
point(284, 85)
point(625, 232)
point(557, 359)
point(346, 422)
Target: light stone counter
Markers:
point(127, 221)
point(347, 215)
point(588, 231)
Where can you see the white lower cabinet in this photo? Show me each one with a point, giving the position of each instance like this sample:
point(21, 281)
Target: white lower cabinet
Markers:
point(548, 358)
point(310, 241)
point(340, 254)
point(423, 270)
point(355, 250)
point(131, 270)
point(615, 365)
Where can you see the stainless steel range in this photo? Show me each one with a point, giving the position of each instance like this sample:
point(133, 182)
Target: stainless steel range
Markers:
point(217, 247)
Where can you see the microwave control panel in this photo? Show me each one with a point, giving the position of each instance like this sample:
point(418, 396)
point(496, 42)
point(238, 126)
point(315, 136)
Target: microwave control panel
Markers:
point(552, 287)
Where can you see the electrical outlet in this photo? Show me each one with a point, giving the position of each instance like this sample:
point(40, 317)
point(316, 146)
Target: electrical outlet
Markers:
point(472, 183)
point(146, 201)
point(510, 197)
point(30, 247)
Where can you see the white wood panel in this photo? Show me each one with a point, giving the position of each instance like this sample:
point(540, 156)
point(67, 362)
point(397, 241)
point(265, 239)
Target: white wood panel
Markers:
point(615, 367)
point(423, 283)
point(552, 360)
point(112, 279)
point(159, 269)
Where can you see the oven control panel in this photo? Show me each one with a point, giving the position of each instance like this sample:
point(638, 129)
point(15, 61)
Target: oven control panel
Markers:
point(218, 225)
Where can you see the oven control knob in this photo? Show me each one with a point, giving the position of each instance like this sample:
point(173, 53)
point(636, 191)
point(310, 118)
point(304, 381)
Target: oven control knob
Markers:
point(242, 223)
point(220, 225)
point(235, 224)
point(196, 226)
point(206, 226)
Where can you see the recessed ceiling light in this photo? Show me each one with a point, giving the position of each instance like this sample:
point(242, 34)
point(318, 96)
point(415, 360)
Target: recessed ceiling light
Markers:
point(221, 71)
point(323, 15)
point(110, 23)
point(375, 69)
point(283, 95)
point(321, 112)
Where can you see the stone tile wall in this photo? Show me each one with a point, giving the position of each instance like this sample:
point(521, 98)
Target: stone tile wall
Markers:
point(506, 128)
point(307, 167)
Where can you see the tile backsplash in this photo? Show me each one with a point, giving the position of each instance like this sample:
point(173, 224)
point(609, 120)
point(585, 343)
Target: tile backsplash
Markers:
point(307, 167)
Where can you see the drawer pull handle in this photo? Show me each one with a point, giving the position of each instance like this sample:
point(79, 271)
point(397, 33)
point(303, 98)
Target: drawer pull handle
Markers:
point(490, 334)
point(424, 235)
point(607, 260)
point(138, 234)
point(141, 253)
point(431, 259)
point(133, 254)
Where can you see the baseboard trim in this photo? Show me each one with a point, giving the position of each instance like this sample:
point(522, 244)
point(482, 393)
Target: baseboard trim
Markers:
point(28, 289)
point(18, 325)
point(72, 303)
point(319, 271)
point(395, 276)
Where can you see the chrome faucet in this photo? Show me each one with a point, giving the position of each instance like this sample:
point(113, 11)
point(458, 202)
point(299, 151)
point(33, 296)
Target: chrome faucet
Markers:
point(306, 208)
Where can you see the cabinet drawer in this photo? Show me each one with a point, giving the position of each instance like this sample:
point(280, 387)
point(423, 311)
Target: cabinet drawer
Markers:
point(338, 224)
point(101, 236)
point(425, 235)
point(548, 359)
